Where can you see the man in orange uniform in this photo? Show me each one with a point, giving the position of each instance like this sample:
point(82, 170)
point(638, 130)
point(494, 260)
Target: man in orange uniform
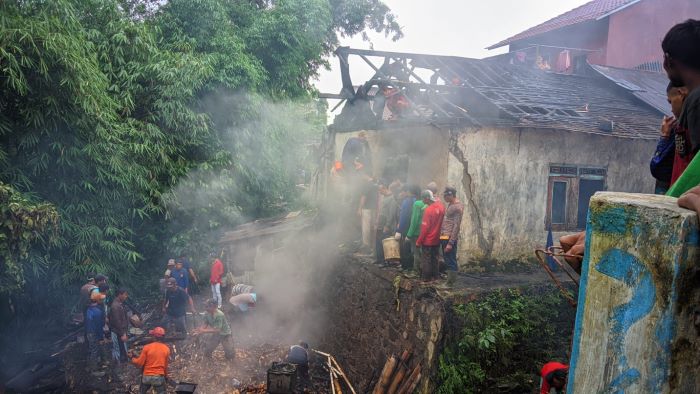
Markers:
point(217, 272)
point(553, 377)
point(154, 361)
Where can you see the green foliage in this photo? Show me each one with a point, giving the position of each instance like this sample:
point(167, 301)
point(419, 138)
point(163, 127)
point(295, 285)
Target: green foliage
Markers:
point(503, 340)
point(22, 223)
point(148, 127)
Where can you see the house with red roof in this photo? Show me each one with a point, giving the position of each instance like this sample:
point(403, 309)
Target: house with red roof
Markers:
point(615, 33)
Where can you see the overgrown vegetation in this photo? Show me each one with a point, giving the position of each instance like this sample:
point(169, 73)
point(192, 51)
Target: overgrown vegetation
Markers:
point(502, 341)
point(142, 128)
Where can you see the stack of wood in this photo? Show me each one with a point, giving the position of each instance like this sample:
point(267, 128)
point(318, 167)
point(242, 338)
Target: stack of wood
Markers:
point(336, 373)
point(397, 377)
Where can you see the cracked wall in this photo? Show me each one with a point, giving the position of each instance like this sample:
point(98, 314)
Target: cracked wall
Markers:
point(503, 175)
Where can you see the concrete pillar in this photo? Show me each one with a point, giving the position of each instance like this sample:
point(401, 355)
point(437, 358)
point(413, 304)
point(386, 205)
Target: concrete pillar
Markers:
point(640, 286)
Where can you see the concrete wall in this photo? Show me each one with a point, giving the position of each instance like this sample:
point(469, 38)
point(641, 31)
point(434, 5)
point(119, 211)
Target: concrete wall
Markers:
point(508, 171)
point(426, 146)
point(635, 33)
point(637, 319)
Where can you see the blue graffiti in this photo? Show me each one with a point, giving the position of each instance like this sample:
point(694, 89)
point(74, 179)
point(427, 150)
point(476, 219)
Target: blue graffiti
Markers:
point(624, 267)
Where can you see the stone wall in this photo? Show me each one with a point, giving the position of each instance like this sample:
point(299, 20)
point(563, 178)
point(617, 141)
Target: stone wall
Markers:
point(364, 326)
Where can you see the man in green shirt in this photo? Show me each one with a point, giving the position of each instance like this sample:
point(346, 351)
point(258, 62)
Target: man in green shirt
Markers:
point(217, 330)
point(413, 233)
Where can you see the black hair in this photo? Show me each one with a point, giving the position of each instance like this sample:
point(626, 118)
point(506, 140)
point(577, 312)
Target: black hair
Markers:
point(103, 288)
point(559, 374)
point(415, 190)
point(681, 43)
point(304, 344)
point(212, 302)
point(100, 278)
point(91, 276)
point(120, 291)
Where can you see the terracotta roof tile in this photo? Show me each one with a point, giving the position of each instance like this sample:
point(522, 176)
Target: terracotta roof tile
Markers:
point(587, 12)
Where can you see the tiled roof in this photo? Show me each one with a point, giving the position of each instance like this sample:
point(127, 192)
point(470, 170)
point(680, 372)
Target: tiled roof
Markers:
point(589, 11)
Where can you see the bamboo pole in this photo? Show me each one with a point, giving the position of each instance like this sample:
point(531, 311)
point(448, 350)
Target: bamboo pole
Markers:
point(385, 378)
point(342, 374)
point(398, 378)
point(407, 383)
point(330, 372)
point(414, 384)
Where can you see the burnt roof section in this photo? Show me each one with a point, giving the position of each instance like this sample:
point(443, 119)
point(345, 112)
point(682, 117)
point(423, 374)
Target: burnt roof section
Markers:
point(647, 86)
point(494, 93)
point(594, 10)
point(291, 222)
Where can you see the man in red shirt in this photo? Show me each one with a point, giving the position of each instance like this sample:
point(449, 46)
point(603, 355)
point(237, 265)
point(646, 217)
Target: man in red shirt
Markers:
point(429, 238)
point(553, 377)
point(217, 272)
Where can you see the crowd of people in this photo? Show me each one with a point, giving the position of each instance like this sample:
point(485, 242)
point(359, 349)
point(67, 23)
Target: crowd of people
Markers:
point(107, 319)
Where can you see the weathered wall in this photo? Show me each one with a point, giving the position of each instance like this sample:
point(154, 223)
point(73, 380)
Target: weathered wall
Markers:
point(636, 324)
point(364, 326)
point(635, 33)
point(502, 176)
point(426, 147)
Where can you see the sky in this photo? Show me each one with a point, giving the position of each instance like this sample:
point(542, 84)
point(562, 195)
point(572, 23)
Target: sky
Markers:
point(448, 27)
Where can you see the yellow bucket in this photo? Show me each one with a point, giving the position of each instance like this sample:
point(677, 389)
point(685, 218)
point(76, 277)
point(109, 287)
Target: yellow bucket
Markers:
point(392, 250)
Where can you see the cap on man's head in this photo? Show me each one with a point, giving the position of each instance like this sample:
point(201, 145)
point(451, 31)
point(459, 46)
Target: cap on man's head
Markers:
point(433, 187)
point(172, 281)
point(157, 332)
point(427, 195)
point(212, 302)
point(450, 191)
point(100, 278)
point(171, 263)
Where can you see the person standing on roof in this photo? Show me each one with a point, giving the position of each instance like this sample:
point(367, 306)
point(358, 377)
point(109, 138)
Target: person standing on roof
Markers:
point(429, 238)
point(217, 273)
point(553, 377)
point(153, 361)
point(449, 232)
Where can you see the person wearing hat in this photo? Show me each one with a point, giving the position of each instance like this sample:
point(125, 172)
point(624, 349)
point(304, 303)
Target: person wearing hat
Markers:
point(449, 232)
point(171, 267)
point(94, 325)
point(175, 308)
point(217, 331)
point(553, 376)
point(429, 238)
point(153, 361)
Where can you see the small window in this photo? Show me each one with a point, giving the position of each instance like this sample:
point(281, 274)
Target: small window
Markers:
point(559, 203)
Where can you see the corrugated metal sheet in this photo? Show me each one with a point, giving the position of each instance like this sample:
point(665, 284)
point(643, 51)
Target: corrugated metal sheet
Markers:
point(648, 86)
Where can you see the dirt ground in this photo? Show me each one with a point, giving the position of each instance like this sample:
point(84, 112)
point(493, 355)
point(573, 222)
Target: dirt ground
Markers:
point(258, 344)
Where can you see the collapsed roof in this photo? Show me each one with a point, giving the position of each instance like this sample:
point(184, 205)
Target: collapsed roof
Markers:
point(495, 93)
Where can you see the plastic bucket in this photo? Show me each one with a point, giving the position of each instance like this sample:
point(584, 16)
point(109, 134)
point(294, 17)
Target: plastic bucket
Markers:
point(392, 249)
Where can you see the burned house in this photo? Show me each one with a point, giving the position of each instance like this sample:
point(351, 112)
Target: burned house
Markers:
point(526, 148)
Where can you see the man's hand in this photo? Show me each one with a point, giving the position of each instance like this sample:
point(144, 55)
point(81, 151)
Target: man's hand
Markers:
point(448, 248)
point(124, 338)
point(397, 236)
point(666, 125)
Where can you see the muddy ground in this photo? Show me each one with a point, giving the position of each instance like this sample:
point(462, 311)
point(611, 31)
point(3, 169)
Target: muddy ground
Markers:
point(258, 341)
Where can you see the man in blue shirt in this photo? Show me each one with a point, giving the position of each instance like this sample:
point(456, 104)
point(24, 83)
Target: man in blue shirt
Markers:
point(94, 326)
point(409, 193)
point(175, 308)
point(181, 276)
